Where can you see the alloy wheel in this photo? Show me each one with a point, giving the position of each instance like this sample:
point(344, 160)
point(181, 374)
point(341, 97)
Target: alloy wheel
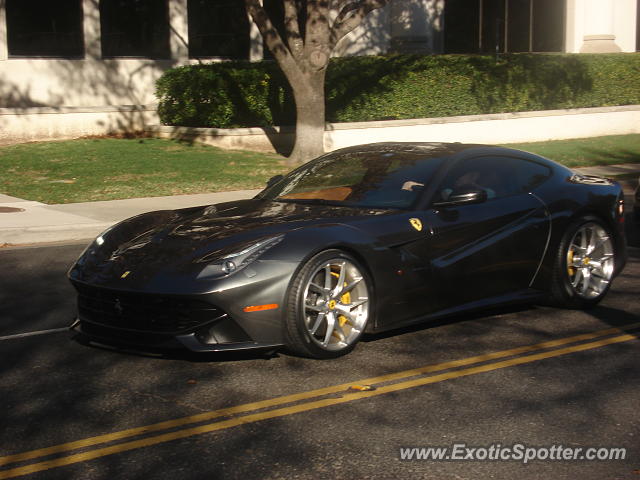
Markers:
point(336, 304)
point(590, 260)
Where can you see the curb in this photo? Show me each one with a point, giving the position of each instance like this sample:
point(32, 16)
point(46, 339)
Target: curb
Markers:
point(58, 223)
point(51, 233)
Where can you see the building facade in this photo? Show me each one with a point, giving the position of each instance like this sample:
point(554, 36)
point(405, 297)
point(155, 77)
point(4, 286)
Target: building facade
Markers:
point(72, 67)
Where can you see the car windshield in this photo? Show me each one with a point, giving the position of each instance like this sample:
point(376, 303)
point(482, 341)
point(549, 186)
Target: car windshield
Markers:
point(371, 179)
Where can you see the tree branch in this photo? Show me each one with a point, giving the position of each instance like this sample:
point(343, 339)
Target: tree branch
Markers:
point(351, 16)
point(318, 34)
point(271, 36)
point(292, 28)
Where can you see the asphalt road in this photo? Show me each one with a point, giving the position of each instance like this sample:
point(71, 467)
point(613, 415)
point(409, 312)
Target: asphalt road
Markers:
point(577, 392)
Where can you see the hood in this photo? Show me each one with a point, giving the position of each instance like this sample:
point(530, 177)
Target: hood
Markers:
point(234, 222)
point(176, 240)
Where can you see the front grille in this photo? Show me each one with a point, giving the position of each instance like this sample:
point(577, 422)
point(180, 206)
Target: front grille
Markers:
point(144, 312)
point(129, 338)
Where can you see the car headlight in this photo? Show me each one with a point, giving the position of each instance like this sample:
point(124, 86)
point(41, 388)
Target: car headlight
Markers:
point(90, 249)
point(225, 263)
point(87, 257)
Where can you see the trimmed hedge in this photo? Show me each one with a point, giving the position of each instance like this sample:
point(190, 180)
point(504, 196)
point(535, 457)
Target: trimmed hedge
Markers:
point(224, 95)
point(235, 94)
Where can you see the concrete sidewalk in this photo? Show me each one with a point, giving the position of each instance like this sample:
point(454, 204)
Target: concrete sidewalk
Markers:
point(27, 222)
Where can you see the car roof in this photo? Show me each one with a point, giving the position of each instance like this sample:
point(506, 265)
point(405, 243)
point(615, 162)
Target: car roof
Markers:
point(443, 149)
point(427, 148)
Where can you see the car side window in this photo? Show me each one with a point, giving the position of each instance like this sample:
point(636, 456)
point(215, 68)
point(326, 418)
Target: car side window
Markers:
point(530, 174)
point(498, 176)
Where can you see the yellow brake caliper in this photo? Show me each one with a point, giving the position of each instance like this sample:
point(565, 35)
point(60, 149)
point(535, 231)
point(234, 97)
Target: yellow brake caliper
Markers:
point(570, 268)
point(345, 300)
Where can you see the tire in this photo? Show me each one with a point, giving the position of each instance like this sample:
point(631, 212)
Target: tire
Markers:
point(584, 264)
point(328, 306)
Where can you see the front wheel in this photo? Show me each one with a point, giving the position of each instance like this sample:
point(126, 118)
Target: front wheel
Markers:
point(584, 265)
point(328, 306)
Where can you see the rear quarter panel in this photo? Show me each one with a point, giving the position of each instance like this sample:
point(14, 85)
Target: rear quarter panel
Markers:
point(568, 200)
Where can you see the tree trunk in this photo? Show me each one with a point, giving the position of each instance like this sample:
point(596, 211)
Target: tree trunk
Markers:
point(303, 55)
point(308, 93)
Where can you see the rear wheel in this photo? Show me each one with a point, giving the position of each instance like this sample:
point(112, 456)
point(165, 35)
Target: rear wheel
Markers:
point(329, 305)
point(584, 265)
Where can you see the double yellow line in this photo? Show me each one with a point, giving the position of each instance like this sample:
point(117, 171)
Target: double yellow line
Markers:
point(301, 402)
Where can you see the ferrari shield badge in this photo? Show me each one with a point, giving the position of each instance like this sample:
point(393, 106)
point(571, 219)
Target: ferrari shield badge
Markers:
point(416, 223)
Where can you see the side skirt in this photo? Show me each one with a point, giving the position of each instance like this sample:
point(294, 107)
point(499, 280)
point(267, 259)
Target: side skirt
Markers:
point(520, 297)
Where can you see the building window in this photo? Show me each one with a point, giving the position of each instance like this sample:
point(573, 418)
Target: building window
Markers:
point(519, 32)
point(461, 26)
point(492, 13)
point(134, 28)
point(501, 26)
point(547, 25)
point(218, 28)
point(44, 28)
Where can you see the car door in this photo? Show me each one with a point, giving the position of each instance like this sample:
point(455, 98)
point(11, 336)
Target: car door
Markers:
point(491, 246)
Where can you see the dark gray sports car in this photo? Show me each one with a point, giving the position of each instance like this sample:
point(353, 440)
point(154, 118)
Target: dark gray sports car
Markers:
point(363, 239)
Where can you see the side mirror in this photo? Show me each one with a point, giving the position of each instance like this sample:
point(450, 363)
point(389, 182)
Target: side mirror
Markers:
point(273, 180)
point(465, 197)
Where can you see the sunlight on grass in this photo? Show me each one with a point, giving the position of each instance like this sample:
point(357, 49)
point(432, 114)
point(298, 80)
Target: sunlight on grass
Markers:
point(586, 152)
point(106, 169)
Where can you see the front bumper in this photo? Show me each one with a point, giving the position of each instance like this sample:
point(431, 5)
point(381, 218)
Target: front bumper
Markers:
point(146, 340)
point(210, 321)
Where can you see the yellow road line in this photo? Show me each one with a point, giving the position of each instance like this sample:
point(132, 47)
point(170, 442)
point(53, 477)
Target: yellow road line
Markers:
point(304, 407)
point(273, 402)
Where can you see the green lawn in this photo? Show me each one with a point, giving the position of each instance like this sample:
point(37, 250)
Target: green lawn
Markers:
point(107, 168)
point(588, 151)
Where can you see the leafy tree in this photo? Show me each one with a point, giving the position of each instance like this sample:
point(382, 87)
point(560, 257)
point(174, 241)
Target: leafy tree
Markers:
point(302, 48)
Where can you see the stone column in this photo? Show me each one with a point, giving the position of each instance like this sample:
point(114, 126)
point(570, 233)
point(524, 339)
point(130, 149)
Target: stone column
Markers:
point(3, 31)
point(91, 29)
point(599, 34)
point(179, 30)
